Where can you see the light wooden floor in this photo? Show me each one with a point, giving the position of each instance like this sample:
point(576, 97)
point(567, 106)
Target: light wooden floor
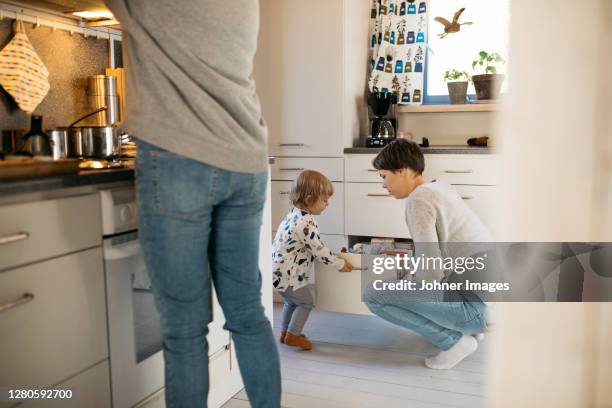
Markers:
point(363, 361)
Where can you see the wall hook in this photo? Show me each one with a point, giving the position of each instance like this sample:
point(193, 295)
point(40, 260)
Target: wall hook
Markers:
point(37, 25)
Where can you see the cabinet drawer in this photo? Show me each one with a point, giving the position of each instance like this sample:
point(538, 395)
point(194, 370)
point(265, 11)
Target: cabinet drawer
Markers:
point(330, 222)
point(89, 389)
point(454, 169)
point(289, 168)
point(39, 230)
point(483, 200)
point(339, 291)
point(62, 329)
point(462, 169)
point(371, 211)
point(358, 168)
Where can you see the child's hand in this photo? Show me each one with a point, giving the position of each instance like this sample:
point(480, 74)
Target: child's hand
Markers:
point(347, 267)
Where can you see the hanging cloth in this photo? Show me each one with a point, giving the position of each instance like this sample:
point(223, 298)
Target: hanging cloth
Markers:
point(398, 42)
point(22, 73)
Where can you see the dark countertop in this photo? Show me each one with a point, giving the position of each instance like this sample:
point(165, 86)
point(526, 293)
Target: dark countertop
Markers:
point(82, 178)
point(427, 150)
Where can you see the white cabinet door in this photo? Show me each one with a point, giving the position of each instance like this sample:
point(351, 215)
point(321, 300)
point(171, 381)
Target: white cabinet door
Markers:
point(358, 169)
point(330, 222)
point(462, 169)
point(56, 325)
point(288, 168)
point(372, 211)
point(298, 69)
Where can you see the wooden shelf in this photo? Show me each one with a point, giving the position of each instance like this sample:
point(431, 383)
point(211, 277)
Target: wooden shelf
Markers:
point(468, 107)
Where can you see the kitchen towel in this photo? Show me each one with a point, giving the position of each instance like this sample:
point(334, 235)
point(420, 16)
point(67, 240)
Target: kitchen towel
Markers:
point(22, 73)
point(398, 42)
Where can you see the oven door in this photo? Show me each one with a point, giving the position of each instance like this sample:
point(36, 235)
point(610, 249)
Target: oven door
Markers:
point(137, 366)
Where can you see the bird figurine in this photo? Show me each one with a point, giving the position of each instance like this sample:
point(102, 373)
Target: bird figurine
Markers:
point(453, 27)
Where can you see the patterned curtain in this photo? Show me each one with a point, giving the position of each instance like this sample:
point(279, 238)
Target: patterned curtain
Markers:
point(398, 42)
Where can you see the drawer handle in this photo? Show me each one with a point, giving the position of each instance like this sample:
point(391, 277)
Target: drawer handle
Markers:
point(291, 144)
point(26, 298)
point(459, 171)
point(20, 236)
point(373, 170)
point(379, 195)
point(466, 197)
point(292, 169)
point(285, 193)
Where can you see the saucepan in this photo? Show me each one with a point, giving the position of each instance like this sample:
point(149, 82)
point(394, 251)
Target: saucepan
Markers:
point(92, 142)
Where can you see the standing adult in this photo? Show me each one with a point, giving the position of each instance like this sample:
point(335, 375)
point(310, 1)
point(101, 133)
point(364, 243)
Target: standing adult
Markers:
point(201, 182)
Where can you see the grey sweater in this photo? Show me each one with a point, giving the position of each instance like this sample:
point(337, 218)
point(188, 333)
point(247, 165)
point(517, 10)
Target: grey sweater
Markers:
point(188, 78)
point(437, 217)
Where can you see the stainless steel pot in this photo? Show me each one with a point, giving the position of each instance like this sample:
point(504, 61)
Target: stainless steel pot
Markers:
point(98, 142)
point(102, 92)
point(63, 144)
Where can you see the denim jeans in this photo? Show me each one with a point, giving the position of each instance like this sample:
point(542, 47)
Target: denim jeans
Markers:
point(200, 224)
point(429, 313)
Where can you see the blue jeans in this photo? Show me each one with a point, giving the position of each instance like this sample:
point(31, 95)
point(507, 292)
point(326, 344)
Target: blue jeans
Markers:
point(429, 314)
point(197, 224)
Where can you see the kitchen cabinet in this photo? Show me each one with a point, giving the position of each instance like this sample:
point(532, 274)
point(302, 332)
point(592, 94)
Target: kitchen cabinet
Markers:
point(60, 326)
point(462, 169)
point(331, 221)
point(287, 169)
point(370, 211)
point(38, 230)
point(310, 68)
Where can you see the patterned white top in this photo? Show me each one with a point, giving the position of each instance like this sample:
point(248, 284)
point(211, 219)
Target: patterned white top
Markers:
point(296, 245)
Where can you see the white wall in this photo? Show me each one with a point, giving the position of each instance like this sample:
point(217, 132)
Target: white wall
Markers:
point(555, 136)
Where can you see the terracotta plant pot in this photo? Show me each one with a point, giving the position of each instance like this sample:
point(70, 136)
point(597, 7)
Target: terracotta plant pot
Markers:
point(487, 86)
point(457, 92)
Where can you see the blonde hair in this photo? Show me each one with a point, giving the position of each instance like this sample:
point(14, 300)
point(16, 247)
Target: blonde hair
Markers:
point(310, 183)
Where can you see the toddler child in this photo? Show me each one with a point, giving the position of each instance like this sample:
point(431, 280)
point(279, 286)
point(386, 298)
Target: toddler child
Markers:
point(296, 245)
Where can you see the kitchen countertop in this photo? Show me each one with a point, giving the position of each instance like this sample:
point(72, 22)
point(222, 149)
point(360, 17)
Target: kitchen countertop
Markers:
point(428, 150)
point(62, 181)
point(85, 178)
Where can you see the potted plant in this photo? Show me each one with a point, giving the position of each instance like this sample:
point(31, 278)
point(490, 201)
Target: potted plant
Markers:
point(457, 88)
point(487, 84)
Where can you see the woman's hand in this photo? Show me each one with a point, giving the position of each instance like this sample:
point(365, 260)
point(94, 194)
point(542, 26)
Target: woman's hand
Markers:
point(347, 267)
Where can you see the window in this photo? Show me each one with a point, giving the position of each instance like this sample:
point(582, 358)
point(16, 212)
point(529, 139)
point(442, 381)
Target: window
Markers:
point(489, 32)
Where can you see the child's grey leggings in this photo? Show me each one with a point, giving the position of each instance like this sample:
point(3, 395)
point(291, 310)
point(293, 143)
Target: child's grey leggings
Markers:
point(298, 304)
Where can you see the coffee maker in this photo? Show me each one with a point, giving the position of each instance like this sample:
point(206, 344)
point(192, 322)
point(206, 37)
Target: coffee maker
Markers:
point(382, 114)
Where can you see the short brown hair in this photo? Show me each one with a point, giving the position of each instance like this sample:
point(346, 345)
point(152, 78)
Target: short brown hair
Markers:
point(310, 183)
point(400, 154)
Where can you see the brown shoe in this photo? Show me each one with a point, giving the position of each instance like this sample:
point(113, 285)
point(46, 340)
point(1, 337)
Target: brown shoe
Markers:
point(282, 337)
point(300, 341)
